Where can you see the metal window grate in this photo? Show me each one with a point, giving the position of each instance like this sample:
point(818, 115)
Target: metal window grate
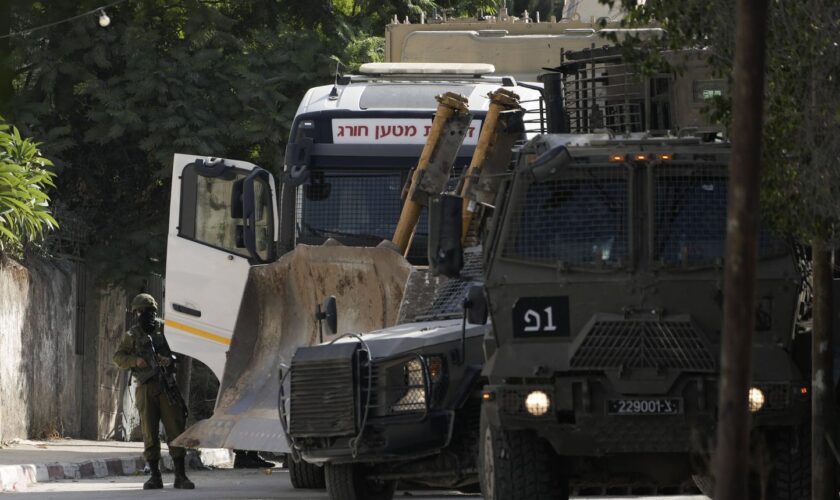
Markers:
point(358, 209)
point(580, 219)
point(689, 214)
point(450, 292)
point(600, 92)
point(661, 345)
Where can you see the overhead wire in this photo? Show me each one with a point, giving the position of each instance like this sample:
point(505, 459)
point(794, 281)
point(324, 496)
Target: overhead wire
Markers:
point(56, 23)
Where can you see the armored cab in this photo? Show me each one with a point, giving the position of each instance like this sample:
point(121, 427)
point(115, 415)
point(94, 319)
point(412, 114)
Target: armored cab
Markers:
point(604, 280)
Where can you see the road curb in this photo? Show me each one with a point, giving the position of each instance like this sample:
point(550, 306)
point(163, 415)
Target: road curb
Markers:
point(19, 477)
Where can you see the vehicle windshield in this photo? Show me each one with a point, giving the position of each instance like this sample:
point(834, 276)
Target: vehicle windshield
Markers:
point(690, 217)
point(577, 220)
point(358, 207)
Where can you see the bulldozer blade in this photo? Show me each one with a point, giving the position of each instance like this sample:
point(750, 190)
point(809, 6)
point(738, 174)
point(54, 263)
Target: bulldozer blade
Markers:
point(276, 317)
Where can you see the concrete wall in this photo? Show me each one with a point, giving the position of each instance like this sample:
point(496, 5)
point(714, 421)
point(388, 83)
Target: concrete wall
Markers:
point(57, 336)
point(40, 373)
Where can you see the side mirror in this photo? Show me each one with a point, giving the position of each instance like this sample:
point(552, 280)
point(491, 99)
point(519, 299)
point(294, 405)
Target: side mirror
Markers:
point(446, 254)
point(317, 189)
point(475, 305)
point(551, 162)
point(250, 199)
point(331, 311)
point(297, 160)
point(236, 199)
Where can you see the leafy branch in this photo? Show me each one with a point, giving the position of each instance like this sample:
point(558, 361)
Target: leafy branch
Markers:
point(24, 204)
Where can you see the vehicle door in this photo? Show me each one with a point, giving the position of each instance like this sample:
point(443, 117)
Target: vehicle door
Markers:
point(223, 220)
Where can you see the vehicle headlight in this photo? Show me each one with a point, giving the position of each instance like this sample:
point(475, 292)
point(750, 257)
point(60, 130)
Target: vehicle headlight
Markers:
point(414, 397)
point(537, 403)
point(756, 399)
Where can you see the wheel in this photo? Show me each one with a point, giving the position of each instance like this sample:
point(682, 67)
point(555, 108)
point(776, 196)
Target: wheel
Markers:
point(785, 456)
point(518, 465)
point(306, 476)
point(470, 489)
point(790, 478)
point(349, 482)
point(705, 484)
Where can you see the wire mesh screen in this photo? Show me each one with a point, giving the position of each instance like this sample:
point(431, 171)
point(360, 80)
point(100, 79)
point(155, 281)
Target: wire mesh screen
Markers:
point(359, 209)
point(601, 92)
point(450, 292)
point(690, 216)
point(580, 219)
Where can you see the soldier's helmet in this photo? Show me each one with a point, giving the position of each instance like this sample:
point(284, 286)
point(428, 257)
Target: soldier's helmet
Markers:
point(142, 301)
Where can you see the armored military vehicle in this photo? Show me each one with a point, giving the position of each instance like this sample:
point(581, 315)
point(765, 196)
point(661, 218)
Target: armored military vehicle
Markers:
point(402, 403)
point(603, 278)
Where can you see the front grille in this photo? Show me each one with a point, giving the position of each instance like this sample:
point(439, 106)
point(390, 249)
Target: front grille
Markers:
point(649, 434)
point(776, 396)
point(323, 397)
point(661, 345)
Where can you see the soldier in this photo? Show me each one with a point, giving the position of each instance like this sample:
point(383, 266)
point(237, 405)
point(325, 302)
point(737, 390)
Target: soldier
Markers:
point(152, 401)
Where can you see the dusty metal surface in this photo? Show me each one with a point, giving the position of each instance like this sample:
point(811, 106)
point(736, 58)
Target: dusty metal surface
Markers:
point(277, 316)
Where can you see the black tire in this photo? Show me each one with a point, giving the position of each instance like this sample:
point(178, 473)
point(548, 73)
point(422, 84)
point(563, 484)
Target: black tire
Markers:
point(787, 452)
point(705, 484)
point(790, 478)
point(348, 482)
point(305, 476)
point(518, 465)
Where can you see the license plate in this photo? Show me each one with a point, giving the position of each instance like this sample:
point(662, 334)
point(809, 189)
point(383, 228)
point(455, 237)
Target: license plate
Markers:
point(644, 406)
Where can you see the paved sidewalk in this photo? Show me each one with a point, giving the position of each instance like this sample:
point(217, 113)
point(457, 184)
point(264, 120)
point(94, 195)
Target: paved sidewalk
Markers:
point(24, 462)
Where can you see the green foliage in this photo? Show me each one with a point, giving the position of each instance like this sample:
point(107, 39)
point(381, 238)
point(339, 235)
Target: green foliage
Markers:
point(113, 105)
point(218, 78)
point(800, 178)
point(24, 203)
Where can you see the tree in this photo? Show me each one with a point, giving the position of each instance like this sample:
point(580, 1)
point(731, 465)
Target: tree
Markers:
point(114, 104)
point(801, 177)
point(24, 203)
point(219, 78)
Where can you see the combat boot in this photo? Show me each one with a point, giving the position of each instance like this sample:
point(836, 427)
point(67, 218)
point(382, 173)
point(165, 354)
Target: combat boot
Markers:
point(181, 480)
point(155, 482)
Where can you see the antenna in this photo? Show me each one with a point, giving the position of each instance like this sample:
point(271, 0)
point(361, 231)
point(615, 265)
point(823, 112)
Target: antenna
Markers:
point(334, 91)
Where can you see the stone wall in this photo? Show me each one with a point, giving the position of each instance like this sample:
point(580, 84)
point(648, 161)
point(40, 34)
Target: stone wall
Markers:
point(40, 373)
point(57, 336)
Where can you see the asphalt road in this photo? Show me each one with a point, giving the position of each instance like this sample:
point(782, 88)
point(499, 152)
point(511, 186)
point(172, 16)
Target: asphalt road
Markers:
point(216, 484)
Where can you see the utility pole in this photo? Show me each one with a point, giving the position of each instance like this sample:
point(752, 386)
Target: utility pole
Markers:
point(822, 376)
point(732, 455)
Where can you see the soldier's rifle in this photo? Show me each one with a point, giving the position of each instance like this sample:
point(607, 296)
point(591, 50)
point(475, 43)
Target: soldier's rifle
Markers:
point(165, 376)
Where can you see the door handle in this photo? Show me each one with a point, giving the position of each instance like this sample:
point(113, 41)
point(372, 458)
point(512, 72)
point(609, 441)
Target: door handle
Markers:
point(186, 310)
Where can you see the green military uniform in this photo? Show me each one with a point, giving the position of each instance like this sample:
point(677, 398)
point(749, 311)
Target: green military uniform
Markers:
point(151, 400)
point(152, 403)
